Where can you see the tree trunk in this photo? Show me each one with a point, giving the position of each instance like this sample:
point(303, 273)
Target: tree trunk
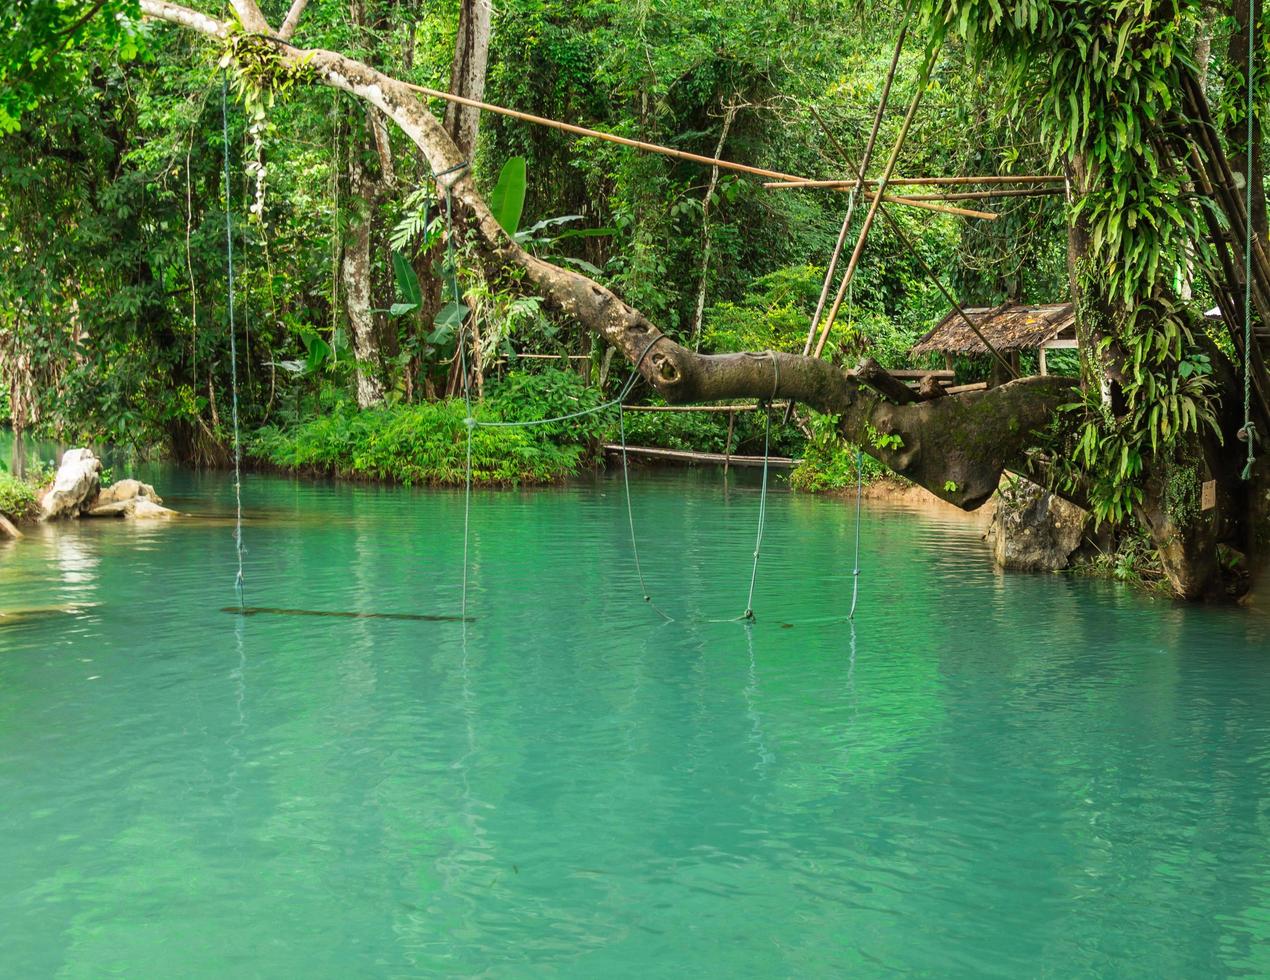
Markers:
point(356, 273)
point(1185, 535)
point(467, 76)
point(1237, 130)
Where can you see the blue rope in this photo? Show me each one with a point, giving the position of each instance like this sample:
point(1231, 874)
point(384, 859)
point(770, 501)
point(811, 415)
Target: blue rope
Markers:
point(1249, 431)
point(748, 615)
point(233, 346)
point(859, 494)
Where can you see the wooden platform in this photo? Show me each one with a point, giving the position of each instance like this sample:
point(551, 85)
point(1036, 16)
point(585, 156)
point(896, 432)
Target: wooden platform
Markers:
point(683, 456)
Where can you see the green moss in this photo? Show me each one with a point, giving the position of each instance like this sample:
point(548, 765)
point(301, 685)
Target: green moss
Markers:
point(1182, 492)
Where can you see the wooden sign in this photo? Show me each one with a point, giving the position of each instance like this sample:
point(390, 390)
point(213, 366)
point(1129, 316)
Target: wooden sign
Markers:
point(1208, 497)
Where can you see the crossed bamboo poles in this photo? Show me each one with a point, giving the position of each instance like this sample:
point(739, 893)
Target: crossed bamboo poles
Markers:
point(1036, 186)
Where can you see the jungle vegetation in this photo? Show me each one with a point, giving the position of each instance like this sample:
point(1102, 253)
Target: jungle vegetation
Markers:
point(353, 294)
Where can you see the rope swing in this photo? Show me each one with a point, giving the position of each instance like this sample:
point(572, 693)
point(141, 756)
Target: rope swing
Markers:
point(1249, 432)
point(233, 345)
point(472, 423)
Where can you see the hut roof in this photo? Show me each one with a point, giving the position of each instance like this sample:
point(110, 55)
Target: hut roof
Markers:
point(1009, 328)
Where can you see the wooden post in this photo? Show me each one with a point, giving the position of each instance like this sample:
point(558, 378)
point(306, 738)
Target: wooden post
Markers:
point(1044, 366)
point(727, 449)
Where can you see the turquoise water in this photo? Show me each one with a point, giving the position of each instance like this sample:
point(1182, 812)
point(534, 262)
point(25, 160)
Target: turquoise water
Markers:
point(988, 776)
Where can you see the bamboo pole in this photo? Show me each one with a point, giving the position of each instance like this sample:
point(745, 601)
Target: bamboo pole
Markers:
point(865, 160)
point(934, 277)
point(988, 195)
point(928, 204)
point(846, 185)
point(656, 148)
point(695, 408)
point(876, 203)
point(727, 448)
point(931, 274)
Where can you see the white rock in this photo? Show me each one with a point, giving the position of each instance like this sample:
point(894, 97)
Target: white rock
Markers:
point(77, 482)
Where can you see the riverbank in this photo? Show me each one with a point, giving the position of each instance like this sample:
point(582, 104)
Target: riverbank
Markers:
point(426, 444)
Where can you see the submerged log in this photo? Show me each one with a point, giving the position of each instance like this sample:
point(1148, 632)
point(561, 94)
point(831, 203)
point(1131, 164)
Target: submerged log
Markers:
point(686, 456)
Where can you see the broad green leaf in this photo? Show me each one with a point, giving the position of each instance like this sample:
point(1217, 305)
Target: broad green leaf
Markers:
point(507, 200)
point(451, 316)
point(441, 335)
point(582, 264)
point(407, 281)
point(319, 351)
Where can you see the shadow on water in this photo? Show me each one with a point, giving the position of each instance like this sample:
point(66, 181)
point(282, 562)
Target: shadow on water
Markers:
point(339, 614)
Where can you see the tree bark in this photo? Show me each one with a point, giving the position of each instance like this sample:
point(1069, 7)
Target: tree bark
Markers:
point(366, 192)
point(355, 271)
point(467, 76)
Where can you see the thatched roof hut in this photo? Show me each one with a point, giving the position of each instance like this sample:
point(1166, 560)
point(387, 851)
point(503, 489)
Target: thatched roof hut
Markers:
point(1009, 328)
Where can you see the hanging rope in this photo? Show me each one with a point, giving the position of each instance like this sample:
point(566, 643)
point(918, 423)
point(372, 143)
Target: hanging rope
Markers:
point(233, 346)
point(472, 423)
point(859, 486)
point(1249, 432)
point(630, 514)
point(762, 516)
point(748, 615)
point(859, 495)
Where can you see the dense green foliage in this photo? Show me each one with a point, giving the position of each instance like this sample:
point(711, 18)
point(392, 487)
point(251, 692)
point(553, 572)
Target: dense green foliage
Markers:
point(1105, 81)
point(829, 464)
point(426, 444)
point(17, 497)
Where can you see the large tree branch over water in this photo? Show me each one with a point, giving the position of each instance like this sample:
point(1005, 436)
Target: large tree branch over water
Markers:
point(957, 447)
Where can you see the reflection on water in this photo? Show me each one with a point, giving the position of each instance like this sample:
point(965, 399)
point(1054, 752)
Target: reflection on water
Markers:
point(984, 775)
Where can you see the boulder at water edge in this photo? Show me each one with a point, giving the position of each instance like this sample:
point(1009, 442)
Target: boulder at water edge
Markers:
point(77, 482)
point(1033, 530)
point(126, 490)
point(128, 498)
